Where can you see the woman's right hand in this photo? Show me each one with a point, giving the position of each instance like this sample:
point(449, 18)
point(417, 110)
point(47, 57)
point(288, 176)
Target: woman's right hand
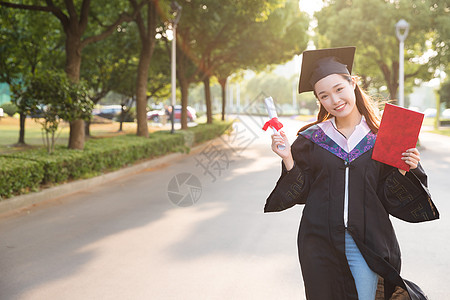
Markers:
point(285, 154)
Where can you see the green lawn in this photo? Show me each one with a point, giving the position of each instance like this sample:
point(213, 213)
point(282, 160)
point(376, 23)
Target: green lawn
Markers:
point(9, 133)
point(443, 131)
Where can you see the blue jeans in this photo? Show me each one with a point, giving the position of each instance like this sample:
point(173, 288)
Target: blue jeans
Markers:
point(366, 280)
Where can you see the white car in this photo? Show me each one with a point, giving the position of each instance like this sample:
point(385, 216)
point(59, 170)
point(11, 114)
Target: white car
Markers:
point(1, 112)
point(446, 114)
point(430, 112)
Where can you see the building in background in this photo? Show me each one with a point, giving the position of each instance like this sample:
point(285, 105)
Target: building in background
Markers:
point(4, 93)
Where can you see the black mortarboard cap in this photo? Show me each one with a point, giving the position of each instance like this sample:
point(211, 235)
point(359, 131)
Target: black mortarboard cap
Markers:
point(318, 64)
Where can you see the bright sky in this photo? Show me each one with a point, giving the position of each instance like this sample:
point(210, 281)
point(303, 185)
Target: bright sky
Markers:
point(293, 67)
point(310, 6)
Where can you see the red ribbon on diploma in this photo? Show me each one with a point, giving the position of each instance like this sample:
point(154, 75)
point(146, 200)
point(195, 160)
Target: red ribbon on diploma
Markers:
point(273, 123)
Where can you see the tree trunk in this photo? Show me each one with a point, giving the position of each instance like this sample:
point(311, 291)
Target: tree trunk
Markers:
point(76, 137)
point(141, 92)
point(182, 62)
point(223, 84)
point(184, 86)
point(393, 87)
point(21, 141)
point(365, 83)
point(87, 129)
point(207, 86)
point(73, 63)
point(147, 36)
point(391, 79)
point(437, 120)
point(122, 116)
point(73, 56)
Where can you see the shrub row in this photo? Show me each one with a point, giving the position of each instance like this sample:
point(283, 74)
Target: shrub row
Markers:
point(19, 175)
point(28, 170)
point(206, 132)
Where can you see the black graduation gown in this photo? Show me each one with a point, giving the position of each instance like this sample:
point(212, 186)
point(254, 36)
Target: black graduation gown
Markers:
point(375, 190)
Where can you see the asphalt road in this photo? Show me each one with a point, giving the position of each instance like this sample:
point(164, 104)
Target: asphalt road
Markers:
point(148, 236)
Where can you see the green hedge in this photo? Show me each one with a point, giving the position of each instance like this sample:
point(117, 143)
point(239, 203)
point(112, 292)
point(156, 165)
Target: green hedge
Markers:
point(19, 175)
point(28, 170)
point(205, 132)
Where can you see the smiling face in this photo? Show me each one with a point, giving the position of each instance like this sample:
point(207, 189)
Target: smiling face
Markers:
point(337, 95)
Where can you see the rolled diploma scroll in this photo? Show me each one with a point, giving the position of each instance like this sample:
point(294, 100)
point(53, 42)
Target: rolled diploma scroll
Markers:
point(272, 114)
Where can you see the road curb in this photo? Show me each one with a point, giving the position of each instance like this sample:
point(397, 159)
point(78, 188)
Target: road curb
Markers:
point(15, 204)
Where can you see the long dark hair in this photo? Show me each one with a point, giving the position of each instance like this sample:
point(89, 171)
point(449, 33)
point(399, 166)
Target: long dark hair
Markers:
point(364, 103)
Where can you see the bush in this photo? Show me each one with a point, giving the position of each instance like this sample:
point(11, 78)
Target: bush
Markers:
point(9, 108)
point(205, 132)
point(62, 99)
point(27, 170)
point(19, 175)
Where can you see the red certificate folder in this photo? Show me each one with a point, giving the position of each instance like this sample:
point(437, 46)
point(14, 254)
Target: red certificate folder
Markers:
point(398, 132)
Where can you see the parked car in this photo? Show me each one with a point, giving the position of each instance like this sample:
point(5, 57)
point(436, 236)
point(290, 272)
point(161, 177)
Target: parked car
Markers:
point(157, 115)
point(1, 112)
point(430, 112)
point(108, 111)
point(446, 114)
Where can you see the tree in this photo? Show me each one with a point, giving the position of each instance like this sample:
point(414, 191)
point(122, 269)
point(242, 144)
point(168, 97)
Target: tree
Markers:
point(56, 98)
point(278, 87)
point(440, 22)
point(222, 37)
point(158, 86)
point(146, 24)
point(74, 22)
point(186, 74)
point(25, 48)
point(273, 40)
point(108, 59)
point(444, 93)
point(217, 46)
point(110, 64)
point(370, 26)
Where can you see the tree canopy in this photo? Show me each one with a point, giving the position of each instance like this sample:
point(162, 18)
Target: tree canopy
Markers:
point(370, 26)
point(221, 38)
point(122, 45)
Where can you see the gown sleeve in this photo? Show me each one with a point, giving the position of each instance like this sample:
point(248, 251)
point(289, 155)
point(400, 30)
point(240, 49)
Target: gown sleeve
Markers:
point(292, 187)
point(406, 196)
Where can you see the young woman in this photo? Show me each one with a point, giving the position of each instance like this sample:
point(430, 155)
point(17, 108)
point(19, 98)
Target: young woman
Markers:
point(346, 240)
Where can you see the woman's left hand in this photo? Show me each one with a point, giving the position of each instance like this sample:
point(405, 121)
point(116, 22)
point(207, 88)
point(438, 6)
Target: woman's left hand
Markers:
point(411, 158)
